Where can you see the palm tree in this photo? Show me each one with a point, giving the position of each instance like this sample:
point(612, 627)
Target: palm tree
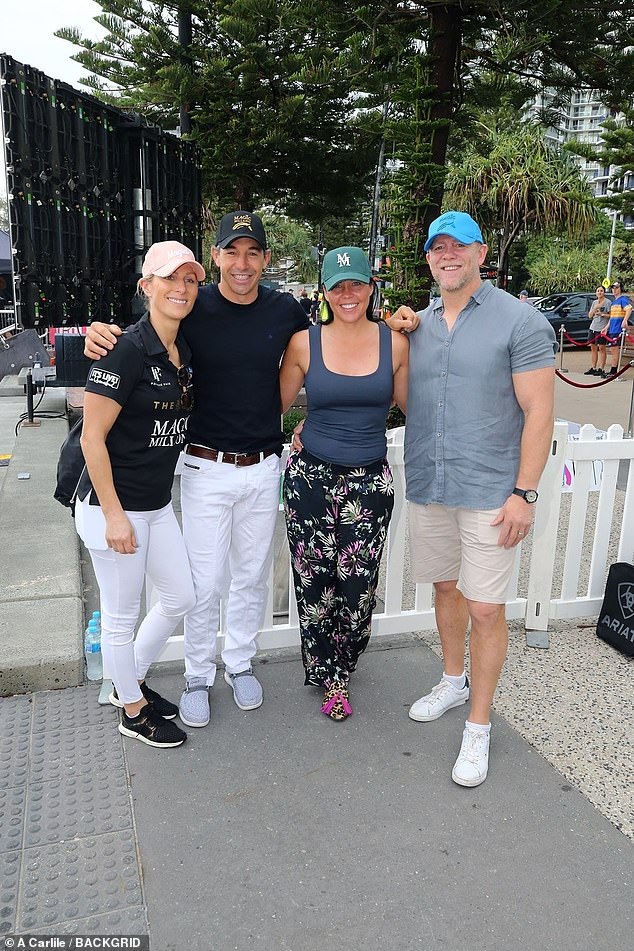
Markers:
point(515, 183)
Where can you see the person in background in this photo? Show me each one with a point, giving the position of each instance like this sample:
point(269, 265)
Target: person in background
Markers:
point(599, 315)
point(304, 301)
point(523, 296)
point(136, 406)
point(478, 433)
point(620, 310)
point(338, 492)
point(314, 307)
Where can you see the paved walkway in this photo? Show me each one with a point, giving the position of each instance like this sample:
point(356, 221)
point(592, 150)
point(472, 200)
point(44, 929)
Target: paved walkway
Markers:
point(279, 830)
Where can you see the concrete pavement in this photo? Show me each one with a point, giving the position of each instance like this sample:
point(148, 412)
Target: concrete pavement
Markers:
point(280, 830)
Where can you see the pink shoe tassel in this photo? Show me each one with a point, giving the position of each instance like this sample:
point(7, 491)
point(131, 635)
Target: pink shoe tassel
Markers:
point(337, 698)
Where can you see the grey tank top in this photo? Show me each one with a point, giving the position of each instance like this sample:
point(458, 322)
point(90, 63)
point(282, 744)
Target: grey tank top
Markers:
point(347, 414)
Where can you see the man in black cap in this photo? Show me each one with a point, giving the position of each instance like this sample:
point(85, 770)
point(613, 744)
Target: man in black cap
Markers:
point(237, 332)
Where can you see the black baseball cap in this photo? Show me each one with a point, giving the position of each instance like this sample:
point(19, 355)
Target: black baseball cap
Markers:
point(240, 224)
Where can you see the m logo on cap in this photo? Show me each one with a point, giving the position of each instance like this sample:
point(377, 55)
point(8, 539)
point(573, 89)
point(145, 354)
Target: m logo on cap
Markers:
point(242, 221)
point(343, 260)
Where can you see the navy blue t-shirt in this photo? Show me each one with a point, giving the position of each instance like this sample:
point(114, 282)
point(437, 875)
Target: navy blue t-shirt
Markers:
point(236, 353)
point(150, 430)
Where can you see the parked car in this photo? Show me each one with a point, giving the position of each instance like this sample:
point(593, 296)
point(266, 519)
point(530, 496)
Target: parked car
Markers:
point(571, 310)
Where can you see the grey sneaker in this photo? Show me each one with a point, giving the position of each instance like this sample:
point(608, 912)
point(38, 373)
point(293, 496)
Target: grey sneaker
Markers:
point(193, 708)
point(442, 697)
point(247, 689)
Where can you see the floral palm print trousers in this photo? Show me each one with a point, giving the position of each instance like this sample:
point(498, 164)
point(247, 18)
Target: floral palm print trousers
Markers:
point(337, 519)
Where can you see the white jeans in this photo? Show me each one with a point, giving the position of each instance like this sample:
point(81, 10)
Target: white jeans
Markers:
point(162, 555)
point(229, 516)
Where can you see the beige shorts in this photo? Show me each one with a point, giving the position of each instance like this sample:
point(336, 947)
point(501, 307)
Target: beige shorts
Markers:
point(453, 544)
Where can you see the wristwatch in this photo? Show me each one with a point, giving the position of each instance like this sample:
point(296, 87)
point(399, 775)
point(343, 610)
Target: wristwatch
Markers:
point(529, 495)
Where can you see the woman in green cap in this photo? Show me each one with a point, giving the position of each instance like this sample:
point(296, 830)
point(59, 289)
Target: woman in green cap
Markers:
point(338, 491)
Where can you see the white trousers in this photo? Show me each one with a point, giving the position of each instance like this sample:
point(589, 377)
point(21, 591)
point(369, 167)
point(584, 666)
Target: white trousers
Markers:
point(160, 554)
point(229, 516)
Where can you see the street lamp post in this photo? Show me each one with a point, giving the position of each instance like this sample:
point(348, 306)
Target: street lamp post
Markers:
point(320, 258)
point(611, 251)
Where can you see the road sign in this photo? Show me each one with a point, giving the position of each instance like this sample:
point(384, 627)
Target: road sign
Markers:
point(606, 283)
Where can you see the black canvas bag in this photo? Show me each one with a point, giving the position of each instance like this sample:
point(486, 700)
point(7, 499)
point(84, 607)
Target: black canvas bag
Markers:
point(616, 618)
point(71, 469)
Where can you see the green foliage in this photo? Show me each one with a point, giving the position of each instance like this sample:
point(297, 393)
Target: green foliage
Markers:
point(290, 99)
point(559, 262)
point(290, 420)
point(395, 418)
point(268, 91)
point(517, 184)
point(568, 269)
point(291, 244)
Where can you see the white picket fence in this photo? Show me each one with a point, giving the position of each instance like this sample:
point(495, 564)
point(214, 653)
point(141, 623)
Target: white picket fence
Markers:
point(567, 534)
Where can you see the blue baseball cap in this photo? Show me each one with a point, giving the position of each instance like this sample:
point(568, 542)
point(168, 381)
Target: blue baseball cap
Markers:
point(456, 224)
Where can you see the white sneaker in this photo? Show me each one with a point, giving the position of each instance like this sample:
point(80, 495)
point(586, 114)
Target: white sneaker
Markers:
point(472, 765)
point(443, 697)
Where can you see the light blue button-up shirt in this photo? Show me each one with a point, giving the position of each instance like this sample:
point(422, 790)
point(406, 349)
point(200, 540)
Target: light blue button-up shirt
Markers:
point(464, 424)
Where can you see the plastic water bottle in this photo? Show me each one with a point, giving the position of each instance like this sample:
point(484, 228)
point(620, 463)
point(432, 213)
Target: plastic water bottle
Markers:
point(96, 617)
point(92, 650)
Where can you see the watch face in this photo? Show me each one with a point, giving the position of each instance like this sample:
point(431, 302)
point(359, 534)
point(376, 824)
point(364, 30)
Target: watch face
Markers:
point(530, 495)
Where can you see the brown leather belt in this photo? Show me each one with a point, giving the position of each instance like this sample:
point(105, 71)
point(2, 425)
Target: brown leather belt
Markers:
point(238, 459)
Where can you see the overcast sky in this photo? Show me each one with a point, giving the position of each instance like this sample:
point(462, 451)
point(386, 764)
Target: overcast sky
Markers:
point(27, 33)
point(27, 30)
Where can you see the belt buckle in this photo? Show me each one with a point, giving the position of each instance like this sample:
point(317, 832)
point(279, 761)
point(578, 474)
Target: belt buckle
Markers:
point(239, 455)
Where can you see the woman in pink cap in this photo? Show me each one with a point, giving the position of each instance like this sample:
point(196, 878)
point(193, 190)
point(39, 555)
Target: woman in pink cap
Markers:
point(136, 405)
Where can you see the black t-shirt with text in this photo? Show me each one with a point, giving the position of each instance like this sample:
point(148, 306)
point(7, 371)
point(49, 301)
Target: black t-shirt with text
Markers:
point(236, 352)
point(150, 431)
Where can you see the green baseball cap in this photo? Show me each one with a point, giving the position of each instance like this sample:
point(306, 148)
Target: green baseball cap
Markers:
point(345, 264)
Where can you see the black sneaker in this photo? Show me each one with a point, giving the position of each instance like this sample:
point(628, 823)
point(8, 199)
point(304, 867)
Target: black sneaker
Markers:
point(159, 704)
point(592, 372)
point(612, 371)
point(151, 729)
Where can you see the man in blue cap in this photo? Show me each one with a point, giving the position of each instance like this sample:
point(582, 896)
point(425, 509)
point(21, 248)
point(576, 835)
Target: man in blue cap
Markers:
point(479, 429)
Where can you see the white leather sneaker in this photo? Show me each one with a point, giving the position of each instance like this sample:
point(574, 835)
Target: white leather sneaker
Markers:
point(472, 765)
point(443, 697)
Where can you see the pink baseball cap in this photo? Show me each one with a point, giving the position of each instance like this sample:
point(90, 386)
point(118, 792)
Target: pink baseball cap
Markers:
point(164, 257)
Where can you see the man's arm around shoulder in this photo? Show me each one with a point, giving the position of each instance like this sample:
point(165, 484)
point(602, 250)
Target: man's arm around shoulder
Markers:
point(100, 339)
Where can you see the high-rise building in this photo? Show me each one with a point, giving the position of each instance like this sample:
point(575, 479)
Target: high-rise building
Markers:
point(581, 119)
